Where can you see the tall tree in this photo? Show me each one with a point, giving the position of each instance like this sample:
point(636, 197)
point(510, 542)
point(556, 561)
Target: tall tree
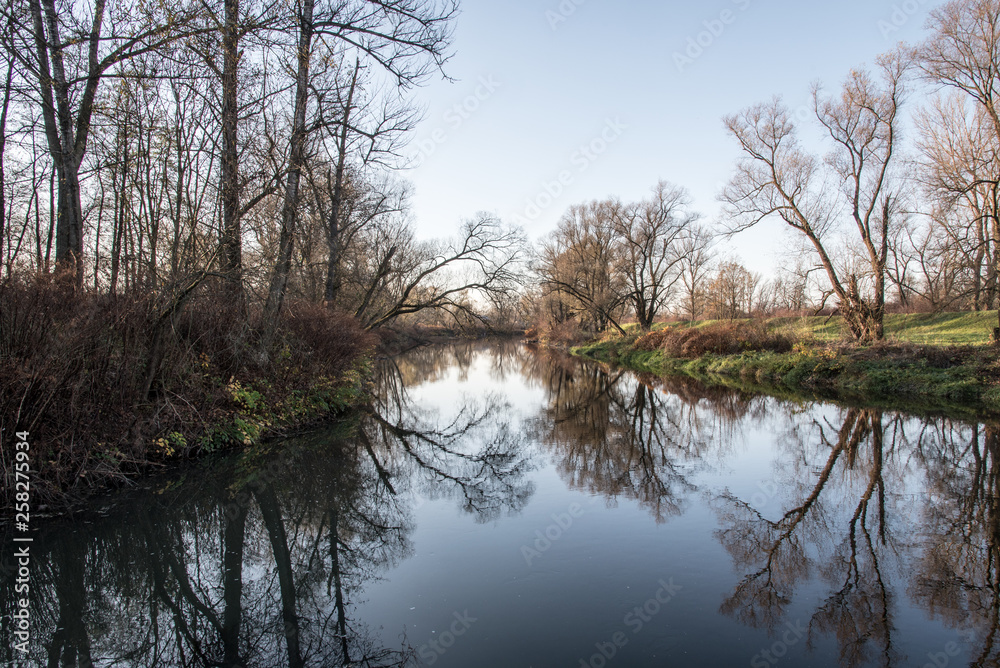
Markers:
point(333, 237)
point(406, 39)
point(960, 172)
point(74, 46)
point(296, 163)
point(231, 238)
point(581, 262)
point(651, 235)
point(776, 177)
point(963, 53)
point(696, 261)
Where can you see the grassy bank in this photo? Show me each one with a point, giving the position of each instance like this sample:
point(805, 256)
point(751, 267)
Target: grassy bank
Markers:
point(939, 329)
point(903, 372)
point(936, 329)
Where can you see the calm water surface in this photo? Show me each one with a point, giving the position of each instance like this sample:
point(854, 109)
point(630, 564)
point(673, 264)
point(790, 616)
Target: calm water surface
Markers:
point(501, 506)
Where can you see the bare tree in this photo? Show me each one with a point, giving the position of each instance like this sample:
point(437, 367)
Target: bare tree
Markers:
point(696, 263)
point(651, 236)
point(69, 49)
point(366, 129)
point(963, 53)
point(405, 38)
point(960, 172)
point(776, 177)
point(581, 263)
point(4, 115)
point(733, 292)
point(296, 162)
point(486, 259)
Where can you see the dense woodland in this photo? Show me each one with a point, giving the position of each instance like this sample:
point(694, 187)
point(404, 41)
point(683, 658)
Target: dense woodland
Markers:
point(197, 195)
point(148, 149)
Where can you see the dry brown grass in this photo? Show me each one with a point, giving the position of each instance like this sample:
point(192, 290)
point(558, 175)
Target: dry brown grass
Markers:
point(726, 338)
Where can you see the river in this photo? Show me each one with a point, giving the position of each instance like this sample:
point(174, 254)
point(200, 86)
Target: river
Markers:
point(504, 506)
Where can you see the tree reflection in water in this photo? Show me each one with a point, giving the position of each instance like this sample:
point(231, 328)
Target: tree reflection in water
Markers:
point(638, 437)
point(257, 561)
point(261, 559)
point(852, 515)
point(858, 525)
point(958, 575)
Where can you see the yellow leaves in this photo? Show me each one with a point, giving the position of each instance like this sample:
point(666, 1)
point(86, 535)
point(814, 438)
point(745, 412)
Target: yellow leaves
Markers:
point(168, 446)
point(163, 446)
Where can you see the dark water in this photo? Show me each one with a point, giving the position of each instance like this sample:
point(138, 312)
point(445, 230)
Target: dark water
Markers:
point(506, 507)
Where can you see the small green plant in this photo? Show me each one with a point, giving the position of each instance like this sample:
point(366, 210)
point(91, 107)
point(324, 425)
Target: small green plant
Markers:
point(246, 398)
point(169, 445)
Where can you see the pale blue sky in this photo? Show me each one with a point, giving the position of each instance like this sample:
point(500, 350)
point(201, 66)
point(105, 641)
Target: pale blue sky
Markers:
point(535, 90)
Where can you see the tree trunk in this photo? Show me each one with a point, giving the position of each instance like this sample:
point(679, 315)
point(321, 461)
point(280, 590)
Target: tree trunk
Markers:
point(338, 585)
point(66, 137)
point(70, 645)
point(231, 245)
point(271, 514)
point(3, 150)
point(297, 150)
point(178, 197)
point(996, 261)
point(333, 229)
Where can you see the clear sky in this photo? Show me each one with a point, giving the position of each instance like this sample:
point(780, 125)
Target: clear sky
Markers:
point(644, 84)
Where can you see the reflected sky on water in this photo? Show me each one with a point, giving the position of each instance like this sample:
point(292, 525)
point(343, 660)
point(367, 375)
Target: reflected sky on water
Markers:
point(499, 505)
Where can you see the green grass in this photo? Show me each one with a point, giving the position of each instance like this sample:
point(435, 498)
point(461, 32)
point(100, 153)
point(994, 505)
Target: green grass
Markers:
point(943, 329)
point(933, 362)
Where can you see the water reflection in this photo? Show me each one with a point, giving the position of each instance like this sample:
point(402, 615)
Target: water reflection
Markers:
point(958, 575)
point(620, 434)
point(832, 526)
point(250, 565)
point(255, 560)
point(848, 523)
point(879, 508)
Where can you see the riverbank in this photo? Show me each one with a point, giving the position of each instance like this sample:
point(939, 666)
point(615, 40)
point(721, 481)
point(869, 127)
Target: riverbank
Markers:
point(102, 389)
point(957, 380)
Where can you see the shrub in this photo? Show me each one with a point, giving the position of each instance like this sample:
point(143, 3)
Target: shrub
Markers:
point(651, 341)
point(730, 338)
point(324, 341)
point(77, 366)
point(567, 333)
